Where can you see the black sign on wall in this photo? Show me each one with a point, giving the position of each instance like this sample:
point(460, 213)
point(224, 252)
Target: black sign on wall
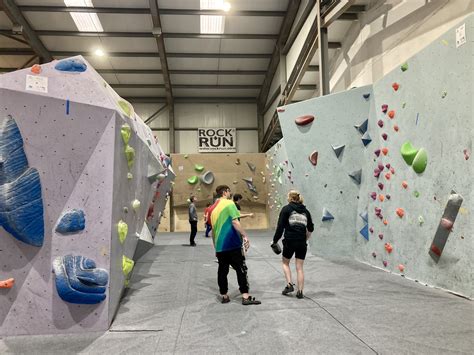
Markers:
point(217, 140)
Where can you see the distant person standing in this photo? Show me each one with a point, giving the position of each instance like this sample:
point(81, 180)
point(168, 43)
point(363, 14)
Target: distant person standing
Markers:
point(228, 237)
point(237, 198)
point(193, 220)
point(207, 220)
point(295, 221)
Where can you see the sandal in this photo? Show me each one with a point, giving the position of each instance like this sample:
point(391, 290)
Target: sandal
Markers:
point(225, 299)
point(250, 300)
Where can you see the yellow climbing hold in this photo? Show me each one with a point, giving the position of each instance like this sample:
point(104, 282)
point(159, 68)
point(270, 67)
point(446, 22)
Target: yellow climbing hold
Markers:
point(122, 228)
point(126, 107)
point(127, 265)
point(130, 155)
point(126, 132)
point(136, 204)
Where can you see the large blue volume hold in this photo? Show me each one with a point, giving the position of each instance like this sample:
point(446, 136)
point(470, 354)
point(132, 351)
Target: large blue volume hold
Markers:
point(71, 66)
point(79, 281)
point(21, 203)
point(71, 222)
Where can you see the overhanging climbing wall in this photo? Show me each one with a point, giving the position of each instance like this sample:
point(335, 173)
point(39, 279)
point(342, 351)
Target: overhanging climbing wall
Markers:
point(75, 160)
point(411, 213)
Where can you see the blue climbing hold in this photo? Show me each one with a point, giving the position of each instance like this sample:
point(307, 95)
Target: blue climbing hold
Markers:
point(365, 232)
point(366, 96)
point(365, 216)
point(71, 65)
point(366, 139)
point(79, 281)
point(71, 222)
point(327, 216)
point(21, 204)
point(362, 128)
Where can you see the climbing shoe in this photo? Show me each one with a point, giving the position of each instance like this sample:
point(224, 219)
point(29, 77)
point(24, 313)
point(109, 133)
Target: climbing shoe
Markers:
point(299, 294)
point(250, 300)
point(225, 299)
point(289, 288)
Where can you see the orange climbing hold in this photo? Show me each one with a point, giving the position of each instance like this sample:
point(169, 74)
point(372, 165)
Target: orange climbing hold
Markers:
point(388, 176)
point(36, 69)
point(391, 114)
point(7, 283)
point(396, 128)
point(385, 151)
point(381, 197)
point(400, 212)
point(395, 86)
point(388, 247)
point(405, 184)
point(385, 222)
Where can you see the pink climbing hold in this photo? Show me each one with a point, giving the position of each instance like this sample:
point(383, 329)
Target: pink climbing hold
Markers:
point(376, 174)
point(280, 109)
point(385, 263)
point(384, 108)
point(391, 114)
point(373, 195)
point(384, 136)
point(388, 176)
point(313, 158)
point(466, 154)
point(380, 236)
point(304, 120)
point(377, 152)
point(401, 267)
point(392, 170)
point(396, 128)
point(446, 224)
point(374, 254)
point(380, 123)
point(388, 247)
point(384, 151)
point(371, 230)
point(395, 86)
point(387, 165)
point(404, 184)
point(380, 185)
point(400, 212)
point(380, 166)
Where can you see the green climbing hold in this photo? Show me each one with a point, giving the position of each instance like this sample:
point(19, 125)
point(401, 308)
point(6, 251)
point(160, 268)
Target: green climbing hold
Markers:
point(404, 67)
point(421, 220)
point(130, 155)
point(404, 104)
point(420, 161)
point(126, 132)
point(126, 107)
point(193, 180)
point(129, 176)
point(416, 194)
point(127, 265)
point(198, 167)
point(443, 95)
point(408, 152)
point(185, 156)
point(136, 205)
point(122, 228)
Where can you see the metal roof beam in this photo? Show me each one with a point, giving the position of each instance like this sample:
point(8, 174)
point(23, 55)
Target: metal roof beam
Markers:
point(204, 100)
point(168, 55)
point(184, 86)
point(335, 12)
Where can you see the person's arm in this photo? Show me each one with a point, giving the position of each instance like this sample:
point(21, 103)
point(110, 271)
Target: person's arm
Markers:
point(281, 225)
point(194, 213)
point(244, 215)
point(238, 227)
point(310, 226)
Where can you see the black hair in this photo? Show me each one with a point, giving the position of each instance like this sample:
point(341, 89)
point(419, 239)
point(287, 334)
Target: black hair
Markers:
point(238, 197)
point(221, 189)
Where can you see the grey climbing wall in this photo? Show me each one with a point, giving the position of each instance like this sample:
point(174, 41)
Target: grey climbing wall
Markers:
point(427, 101)
point(70, 125)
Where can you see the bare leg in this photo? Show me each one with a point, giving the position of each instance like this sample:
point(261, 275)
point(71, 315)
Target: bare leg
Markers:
point(286, 269)
point(300, 273)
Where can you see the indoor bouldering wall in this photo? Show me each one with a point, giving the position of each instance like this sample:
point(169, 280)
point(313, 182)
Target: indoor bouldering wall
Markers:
point(411, 213)
point(200, 174)
point(75, 184)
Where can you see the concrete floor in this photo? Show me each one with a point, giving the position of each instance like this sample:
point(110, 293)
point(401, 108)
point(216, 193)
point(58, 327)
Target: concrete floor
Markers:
point(350, 308)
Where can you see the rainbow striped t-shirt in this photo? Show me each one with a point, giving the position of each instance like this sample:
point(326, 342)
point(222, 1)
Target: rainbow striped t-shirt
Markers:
point(225, 236)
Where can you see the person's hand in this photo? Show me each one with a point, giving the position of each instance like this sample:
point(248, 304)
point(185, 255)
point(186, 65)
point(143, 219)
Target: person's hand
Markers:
point(251, 215)
point(246, 243)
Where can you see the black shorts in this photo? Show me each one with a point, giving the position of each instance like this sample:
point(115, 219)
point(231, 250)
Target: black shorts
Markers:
point(296, 247)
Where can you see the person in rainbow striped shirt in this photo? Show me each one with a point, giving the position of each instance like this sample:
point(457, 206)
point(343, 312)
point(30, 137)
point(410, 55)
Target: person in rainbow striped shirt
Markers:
point(229, 240)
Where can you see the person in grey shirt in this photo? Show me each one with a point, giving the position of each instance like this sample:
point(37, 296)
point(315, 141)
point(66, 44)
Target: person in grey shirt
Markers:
point(193, 220)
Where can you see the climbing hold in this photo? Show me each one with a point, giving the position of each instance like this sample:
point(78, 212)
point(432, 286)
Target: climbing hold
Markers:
point(380, 166)
point(126, 132)
point(327, 216)
point(71, 222)
point(466, 154)
point(395, 86)
point(373, 195)
point(381, 197)
point(281, 109)
point(421, 220)
point(186, 156)
point(376, 173)
point(385, 222)
point(404, 67)
point(130, 155)
point(193, 180)
point(129, 176)
point(365, 216)
point(362, 128)
point(122, 228)
point(338, 149)
point(388, 247)
point(207, 178)
point(125, 210)
point(126, 107)
point(392, 170)
point(396, 128)
point(385, 263)
point(371, 230)
point(387, 176)
point(443, 95)
point(366, 96)
point(401, 268)
point(446, 223)
point(388, 165)
point(380, 123)
point(400, 212)
point(380, 236)
point(380, 185)
point(136, 205)
point(8, 283)
point(237, 161)
point(404, 184)
point(304, 120)
point(421, 161)
point(251, 167)
point(127, 266)
point(374, 254)
point(250, 185)
point(384, 151)
point(313, 158)
point(377, 152)
point(198, 167)
point(416, 194)
point(384, 108)
point(71, 65)
point(79, 281)
point(366, 139)
point(21, 203)
point(387, 196)
point(391, 114)
point(384, 136)
point(365, 232)
point(356, 176)
point(36, 69)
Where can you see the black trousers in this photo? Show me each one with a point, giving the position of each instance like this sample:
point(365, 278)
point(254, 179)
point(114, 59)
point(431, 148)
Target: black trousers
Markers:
point(236, 259)
point(194, 229)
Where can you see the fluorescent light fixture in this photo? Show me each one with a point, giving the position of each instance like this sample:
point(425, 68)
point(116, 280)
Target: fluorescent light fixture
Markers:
point(99, 52)
point(226, 7)
point(212, 24)
point(85, 22)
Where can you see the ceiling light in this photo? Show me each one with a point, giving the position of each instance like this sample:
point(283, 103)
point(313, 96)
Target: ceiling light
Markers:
point(226, 7)
point(85, 22)
point(212, 4)
point(212, 24)
point(99, 52)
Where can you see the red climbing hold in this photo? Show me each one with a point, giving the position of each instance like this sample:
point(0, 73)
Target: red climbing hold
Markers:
point(388, 176)
point(371, 230)
point(388, 247)
point(377, 152)
point(384, 136)
point(395, 86)
point(36, 69)
point(405, 184)
point(396, 128)
point(385, 151)
point(373, 195)
point(387, 165)
point(385, 263)
point(380, 236)
point(401, 267)
point(8, 283)
point(384, 108)
point(391, 114)
point(380, 123)
point(435, 250)
point(400, 212)
point(304, 120)
point(380, 185)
